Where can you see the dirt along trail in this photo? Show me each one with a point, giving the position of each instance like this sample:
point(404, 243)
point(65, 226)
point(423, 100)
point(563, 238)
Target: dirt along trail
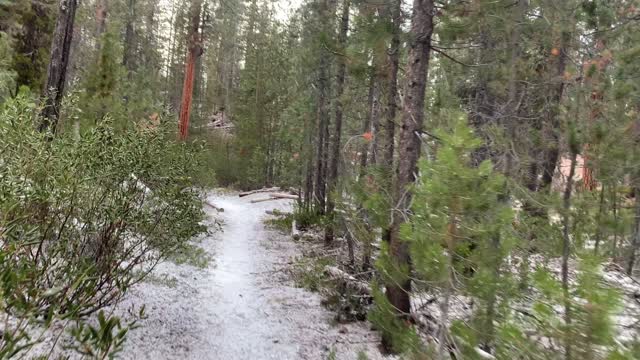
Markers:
point(243, 304)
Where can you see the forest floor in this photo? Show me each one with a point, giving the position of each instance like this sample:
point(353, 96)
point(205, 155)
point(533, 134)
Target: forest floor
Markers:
point(243, 304)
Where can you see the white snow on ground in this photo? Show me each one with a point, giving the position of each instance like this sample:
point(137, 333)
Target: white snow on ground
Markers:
point(243, 305)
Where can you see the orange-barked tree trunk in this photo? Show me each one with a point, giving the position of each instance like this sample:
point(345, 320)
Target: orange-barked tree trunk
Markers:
point(194, 51)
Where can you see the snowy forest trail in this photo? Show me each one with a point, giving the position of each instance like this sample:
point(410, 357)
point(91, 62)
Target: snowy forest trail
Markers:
point(243, 304)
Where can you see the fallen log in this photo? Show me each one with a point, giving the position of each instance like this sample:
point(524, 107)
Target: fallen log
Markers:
point(284, 196)
point(347, 282)
point(219, 209)
point(261, 200)
point(275, 197)
point(263, 190)
point(276, 212)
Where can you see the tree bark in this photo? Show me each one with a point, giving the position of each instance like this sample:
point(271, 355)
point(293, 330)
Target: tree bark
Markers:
point(57, 70)
point(337, 131)
point(388, 147)
point(509, 123)
point(635, 237)
point(393, 57)
point(374, 115)
point(566, 250)
point(368, 120)
point(551, 153)
point(129, 38)
point(324, 89)
point(409, 147)
point(194, 51)
point(101, 20)
point(367, 128)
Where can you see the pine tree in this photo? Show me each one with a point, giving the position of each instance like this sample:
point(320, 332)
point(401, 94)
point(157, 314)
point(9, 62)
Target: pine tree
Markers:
point(398, 291)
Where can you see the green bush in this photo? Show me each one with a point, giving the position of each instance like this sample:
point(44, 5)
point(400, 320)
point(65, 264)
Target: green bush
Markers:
point(82, 219)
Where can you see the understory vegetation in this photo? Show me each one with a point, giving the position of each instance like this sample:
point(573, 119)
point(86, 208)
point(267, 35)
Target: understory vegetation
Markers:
point(82, 219)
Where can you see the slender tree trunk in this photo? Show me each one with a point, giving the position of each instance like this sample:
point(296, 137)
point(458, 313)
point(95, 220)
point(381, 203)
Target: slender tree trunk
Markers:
point(635, 237)
point(566, 251)
point(129, 38)
point(452, 239)
point(484, 99)
point(366, 128)
point(170, 55)
point(368, 120)
point(308, 183)
point(57, 70)
point(574, 149)
point(324, 91)
point(101, 20)
point(596, 104)
point(509, 122)
point(391, 106)
point(393, 59)
point(199, 79)
point(194, 51)
point(614, 205)
point(552, 124)
point(398, 294)
point(376, 145)
point(599, 225)
point(337, 131)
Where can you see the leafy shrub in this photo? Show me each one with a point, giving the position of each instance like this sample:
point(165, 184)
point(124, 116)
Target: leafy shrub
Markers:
point(281, 222)
point(7, 75)
point(103, 340)
point(83, 219)
point(306, 217)
point(309, 273)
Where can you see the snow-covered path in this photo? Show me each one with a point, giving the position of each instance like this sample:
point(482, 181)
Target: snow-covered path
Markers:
point(242, 306)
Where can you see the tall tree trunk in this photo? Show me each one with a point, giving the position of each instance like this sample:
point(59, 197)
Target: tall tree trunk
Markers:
point(57, 71)
point(194, 51)
point(332, 177)
point(599, 223)
point(574, 150)
point(596, 104)
point(566, 248)
point(389, 126)
point(374, 115)
point(366, 128)
point(368, 120)
point(101, 20)
point(171, 50)
point(409, 147)
point(552, 124)
point(509, 123)
point(129, 38)
point(483, 98)
point(635, 236)
point(199, 79)
point(393, 57)
point(324, 91)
